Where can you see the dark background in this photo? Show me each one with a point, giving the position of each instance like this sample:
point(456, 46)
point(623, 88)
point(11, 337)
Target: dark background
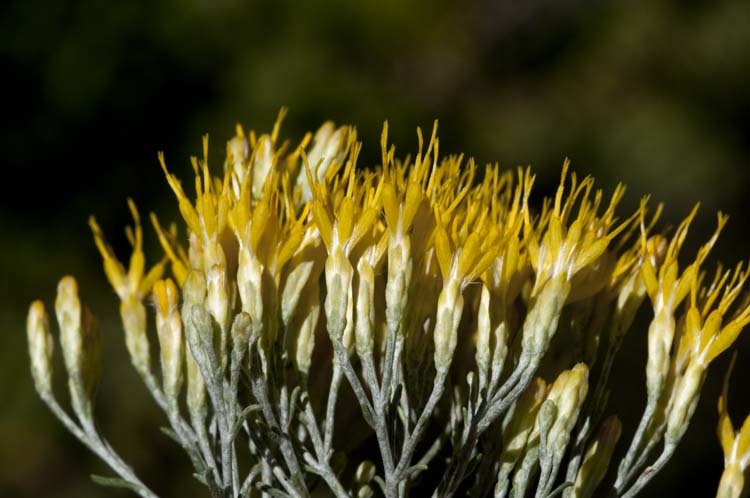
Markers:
point(653, 93)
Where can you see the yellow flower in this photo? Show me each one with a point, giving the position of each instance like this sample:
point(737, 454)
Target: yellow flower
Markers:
point(131, 286)
point(736, 447)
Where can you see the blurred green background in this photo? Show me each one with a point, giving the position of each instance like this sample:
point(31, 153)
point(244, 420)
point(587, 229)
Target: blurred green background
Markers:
point(653, 93)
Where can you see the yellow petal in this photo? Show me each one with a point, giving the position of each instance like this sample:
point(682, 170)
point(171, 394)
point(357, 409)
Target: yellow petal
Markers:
point(113, 269)
point(443, 250)
point(390, 206)
point(726, 338)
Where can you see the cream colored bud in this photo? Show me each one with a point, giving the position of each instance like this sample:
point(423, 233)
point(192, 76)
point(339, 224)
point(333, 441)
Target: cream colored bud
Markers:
point(365, 472)
point(338, 274)
point(79, 339)
point(171, 341)
point(500, 351)
point(217, 295)
point(241, 331)
point(364, 332)
point(328, 146)
point(238, 150)
point(597, 458)
point(541, 321)
point(133, 316)
point(193, 290)
point(660, 335)
point(41, 347)
point(262, 164)
point(399, 278)
point(305, 343)
point(249, 285)
point(295, 282)
point(629, 299)
point(449, 308)
point(568, 392)
point(484, 333)
point(687, 391)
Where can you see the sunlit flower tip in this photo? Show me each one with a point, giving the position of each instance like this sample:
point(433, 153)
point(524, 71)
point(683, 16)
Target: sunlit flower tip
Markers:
point(403, 193)
point(41, 347)
point(561, 248)
point(666, 286)
point(175, 253)
point(133, 282)
point(330, 146)
point(462, 258)
point(208, 217)
point(713, 321)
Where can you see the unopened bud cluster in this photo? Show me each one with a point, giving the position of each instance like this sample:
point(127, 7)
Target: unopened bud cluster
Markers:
point(424, 327)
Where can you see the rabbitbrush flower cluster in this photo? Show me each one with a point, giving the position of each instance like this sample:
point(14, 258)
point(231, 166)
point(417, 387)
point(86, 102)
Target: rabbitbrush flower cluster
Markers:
point(418, 328)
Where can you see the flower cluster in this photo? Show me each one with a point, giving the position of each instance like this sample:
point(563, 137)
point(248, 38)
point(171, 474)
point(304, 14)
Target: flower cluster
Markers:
point(432, 312)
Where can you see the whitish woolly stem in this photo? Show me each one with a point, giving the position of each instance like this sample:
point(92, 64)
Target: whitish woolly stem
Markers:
point(333, 394)
point(416, 436)
point(625, 470)
point(651, 471)
point(101, 448)
point(374, 417)
point(320, 464)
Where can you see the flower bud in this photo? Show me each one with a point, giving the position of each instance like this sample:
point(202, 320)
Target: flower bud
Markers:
point(193, 291)
point(484, 332)
point(133, 316)
point(660, 335)
point(306, 339)
point(79, 339)
point(568, 392)
point(41, 347)
point(597, 458)
point(449, 309)
point(541, 321)
point(262, 164)
point(249, 285)
point(338, 302)
point(500, 351)
point(295, 283)
point(237, 154)
point(365, 472)
point(217, 297)
point(687, 390)
point(171, 342)
point(364, 333)
point(399, 278)
point(328, 147)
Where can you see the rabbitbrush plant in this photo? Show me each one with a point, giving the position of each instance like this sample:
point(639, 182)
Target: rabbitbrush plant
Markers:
point(420, 310)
